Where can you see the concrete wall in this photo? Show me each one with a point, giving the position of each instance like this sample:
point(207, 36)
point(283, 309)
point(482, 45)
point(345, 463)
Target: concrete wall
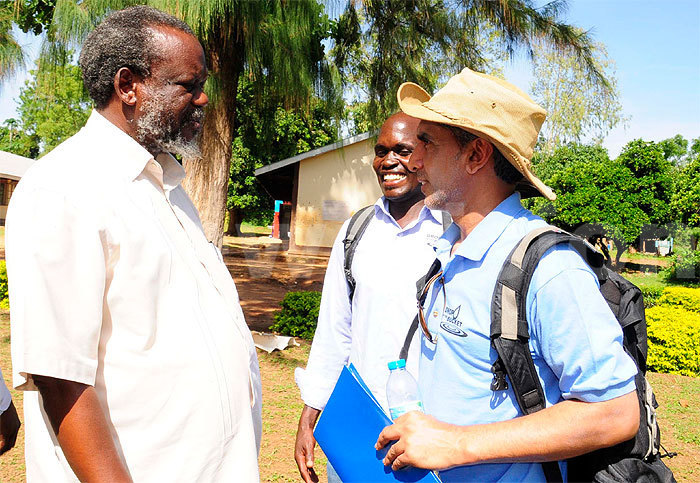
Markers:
point(333, 186)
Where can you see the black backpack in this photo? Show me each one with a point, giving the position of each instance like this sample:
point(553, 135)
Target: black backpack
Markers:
point(356, 228)
point(636, 460)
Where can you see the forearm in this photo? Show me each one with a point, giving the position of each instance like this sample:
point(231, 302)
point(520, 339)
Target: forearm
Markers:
point(82, 430)
point(566, 429)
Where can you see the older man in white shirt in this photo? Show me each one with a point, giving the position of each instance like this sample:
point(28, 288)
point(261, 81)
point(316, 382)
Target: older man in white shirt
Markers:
point(124, 316)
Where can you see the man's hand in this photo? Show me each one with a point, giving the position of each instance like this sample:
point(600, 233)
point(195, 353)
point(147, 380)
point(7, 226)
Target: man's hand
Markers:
point(9, 426)
point(304, 447)
point(421, 441)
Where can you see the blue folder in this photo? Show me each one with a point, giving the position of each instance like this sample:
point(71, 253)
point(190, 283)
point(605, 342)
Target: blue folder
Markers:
point(348, 429)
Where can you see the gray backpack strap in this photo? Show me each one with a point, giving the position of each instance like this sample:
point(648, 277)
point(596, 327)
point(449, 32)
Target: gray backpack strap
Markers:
point(446, 220)
point(509, 326)
point(356, 228)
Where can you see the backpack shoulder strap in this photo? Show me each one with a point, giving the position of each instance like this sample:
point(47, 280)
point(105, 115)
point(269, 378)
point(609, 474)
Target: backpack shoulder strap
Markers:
point(446, 220)
point(420, 285)
point(356, 228)
point(509, 326)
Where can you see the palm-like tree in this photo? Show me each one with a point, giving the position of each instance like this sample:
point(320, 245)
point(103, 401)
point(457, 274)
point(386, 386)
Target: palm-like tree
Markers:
point(378, 45)
point(381, 43)
point(11, 54)
point(277, 43)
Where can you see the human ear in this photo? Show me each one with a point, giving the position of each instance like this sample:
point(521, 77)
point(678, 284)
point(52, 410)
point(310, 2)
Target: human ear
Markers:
point(125, 86)
point(481, 152)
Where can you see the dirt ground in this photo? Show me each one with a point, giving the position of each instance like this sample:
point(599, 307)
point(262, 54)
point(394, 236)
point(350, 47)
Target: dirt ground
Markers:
point(264, 272)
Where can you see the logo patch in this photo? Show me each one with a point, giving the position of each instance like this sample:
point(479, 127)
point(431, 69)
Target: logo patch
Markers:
point(450, 322)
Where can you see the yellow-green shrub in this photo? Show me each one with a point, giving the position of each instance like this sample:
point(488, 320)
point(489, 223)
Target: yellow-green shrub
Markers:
point(674, 340)
point(686, 297)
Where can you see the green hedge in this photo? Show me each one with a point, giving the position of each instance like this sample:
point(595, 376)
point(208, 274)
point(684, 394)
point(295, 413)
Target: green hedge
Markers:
point(673, 330)
point(4, 296)
point(299, 314)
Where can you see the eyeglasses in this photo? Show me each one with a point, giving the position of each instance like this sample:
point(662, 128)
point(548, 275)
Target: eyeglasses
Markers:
point(421, 301)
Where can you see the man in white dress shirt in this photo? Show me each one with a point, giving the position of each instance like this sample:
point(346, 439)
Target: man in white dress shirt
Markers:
point(394, 251)
point(124, 317)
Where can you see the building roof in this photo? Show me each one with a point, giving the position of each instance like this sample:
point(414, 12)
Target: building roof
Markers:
point(13, 166)
point(314, 152)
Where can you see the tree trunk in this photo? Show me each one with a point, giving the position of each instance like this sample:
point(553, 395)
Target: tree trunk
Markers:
point(234, 222)
point(207, 178)
point(621, 247)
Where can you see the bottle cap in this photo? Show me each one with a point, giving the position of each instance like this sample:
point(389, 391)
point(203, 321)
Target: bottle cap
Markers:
point(401, 363)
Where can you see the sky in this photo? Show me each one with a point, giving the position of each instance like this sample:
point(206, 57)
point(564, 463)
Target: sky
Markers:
point(655, 45)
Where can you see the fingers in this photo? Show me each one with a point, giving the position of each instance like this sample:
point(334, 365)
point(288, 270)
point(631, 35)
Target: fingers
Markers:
point(304, 455)
point(387, 435)
point(392, 456)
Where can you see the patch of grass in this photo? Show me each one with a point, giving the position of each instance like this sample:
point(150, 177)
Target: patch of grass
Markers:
point(260, 230)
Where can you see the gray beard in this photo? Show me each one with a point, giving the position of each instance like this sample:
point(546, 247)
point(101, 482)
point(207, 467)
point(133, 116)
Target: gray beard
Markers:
point(157, 132)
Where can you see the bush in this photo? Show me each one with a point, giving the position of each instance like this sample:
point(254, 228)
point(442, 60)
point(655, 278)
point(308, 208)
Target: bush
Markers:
point(674, 340)
point(685, 265)
point(651, 294)
point(299, 314)
point(685, 297)
point(4, 296)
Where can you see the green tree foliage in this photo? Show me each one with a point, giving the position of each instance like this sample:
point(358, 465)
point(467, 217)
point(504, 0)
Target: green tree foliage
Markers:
point(14, 140)
point(686, 197)
point(267, 134)
point(675, 149)
point(378, 44)
point(11, 53)
point(277, 44)
point(619, 198)
point(53, 104)
point(576, 107)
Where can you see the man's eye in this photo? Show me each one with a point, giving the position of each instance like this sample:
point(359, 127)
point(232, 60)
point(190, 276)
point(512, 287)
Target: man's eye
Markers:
point(380, 152)
point(405, 152)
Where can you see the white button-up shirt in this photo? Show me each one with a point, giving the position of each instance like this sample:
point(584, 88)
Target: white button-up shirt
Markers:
point(388, 261)
point(113, 284)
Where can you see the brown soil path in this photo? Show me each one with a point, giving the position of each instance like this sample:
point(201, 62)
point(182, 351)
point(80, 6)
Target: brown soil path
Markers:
point(265, 272)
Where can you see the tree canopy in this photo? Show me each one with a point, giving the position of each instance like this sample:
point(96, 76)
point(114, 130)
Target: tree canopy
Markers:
point(618, 198)
point(575, 107)
point(379, 44)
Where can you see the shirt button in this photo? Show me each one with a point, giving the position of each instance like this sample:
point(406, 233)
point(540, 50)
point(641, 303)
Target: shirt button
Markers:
point(435, 313)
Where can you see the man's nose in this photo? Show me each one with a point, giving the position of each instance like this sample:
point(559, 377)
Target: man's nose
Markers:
point(415, 162)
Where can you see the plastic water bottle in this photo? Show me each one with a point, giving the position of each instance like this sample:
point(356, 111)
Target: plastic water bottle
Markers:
point(402, 390)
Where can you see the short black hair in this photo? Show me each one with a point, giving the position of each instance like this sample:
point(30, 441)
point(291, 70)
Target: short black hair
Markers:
point(123, 39)
point(504, 169)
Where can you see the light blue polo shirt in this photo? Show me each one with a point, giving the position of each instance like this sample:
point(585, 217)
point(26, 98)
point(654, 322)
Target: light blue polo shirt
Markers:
point(575, 341)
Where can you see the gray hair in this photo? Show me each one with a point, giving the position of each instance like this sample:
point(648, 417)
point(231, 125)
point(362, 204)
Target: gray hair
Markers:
point(123, 39)
point(504, 169)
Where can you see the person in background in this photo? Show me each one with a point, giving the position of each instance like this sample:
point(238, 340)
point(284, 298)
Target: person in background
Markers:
point(368, 328)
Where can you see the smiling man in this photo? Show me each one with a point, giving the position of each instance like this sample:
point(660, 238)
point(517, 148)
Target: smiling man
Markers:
point(127, 334)
point(368, 327)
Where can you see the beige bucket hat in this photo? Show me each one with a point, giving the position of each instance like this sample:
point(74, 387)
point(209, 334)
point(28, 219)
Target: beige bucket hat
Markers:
point(487, 107)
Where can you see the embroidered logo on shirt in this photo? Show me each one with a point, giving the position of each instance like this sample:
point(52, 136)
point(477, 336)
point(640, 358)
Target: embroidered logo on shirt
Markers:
point(431, 238)
point(450, 322)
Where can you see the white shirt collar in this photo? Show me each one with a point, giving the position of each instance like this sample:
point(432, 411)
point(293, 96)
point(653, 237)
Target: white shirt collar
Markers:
point(127, 156)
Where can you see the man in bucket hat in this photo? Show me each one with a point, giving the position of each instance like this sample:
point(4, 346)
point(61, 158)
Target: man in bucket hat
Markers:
point(477, 136)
